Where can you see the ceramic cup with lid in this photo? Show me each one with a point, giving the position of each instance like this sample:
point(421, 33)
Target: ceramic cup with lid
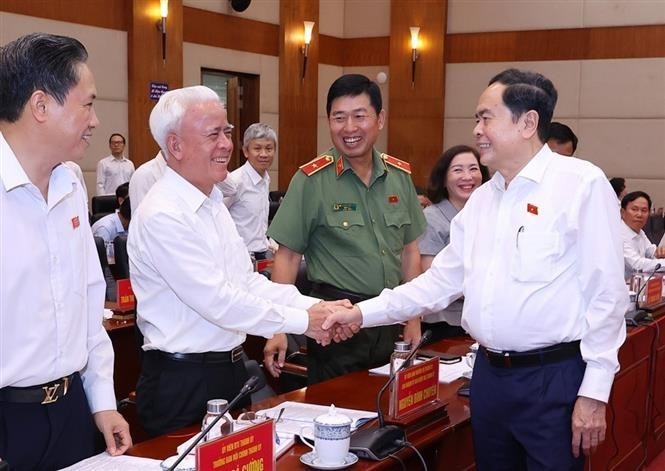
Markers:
point(332, 435)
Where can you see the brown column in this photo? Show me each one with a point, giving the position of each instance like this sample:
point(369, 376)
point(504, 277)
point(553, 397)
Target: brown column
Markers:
point(415, 121)
point(145, 65)
point(297, 97)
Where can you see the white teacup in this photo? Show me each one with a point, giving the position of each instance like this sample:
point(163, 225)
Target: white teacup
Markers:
point(332, 435)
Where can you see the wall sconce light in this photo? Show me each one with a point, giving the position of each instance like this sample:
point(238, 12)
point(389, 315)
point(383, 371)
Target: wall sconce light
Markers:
point(308, 27)
point(161, 24)
point(415, 30)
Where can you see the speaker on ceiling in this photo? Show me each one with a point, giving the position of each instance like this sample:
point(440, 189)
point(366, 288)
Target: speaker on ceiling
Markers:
point(240, 5)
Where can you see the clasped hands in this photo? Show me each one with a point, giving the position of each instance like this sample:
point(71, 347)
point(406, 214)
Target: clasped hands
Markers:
point(332, 321)
point(329, 321)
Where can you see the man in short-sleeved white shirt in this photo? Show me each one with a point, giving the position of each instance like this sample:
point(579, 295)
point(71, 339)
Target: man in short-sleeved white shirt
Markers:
point(143, 179)
point(638, 252)
point(115, 169)
point(249, 203)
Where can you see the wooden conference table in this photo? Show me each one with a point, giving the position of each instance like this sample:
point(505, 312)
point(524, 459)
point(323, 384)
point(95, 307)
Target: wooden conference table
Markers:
point(635, 414)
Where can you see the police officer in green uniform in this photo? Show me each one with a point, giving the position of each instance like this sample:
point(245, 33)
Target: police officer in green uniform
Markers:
point(355, 216)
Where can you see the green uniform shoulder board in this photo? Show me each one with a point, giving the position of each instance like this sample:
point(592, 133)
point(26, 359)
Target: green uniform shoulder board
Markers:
point(397, 163)
point(313, 166)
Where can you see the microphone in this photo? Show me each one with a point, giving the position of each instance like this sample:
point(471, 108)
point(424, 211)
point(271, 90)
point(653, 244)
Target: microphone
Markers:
point(635, 315)
point(378, 443)
point(248, 387)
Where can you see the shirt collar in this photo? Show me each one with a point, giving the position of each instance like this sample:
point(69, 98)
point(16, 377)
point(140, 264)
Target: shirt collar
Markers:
point(378, 165)
point(630, 232)
point(61, 181)
point(192, 196)
point(253, 175)
point(534, 170)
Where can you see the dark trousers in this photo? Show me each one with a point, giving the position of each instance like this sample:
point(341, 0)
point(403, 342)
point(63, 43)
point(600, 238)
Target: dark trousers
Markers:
point(369, 348)
point(442, 330)
point(173, 394)
point(521, 417)
point(48, 437)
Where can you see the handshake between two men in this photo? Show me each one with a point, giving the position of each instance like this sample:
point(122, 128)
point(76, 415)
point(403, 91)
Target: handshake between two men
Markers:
point(329, 321)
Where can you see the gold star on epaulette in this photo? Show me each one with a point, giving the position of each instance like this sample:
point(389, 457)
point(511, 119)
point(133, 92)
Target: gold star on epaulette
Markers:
point(313, 166)
point(397, 163)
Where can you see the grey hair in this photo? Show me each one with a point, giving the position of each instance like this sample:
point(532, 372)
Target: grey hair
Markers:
point(167, 114)
point(258, 131)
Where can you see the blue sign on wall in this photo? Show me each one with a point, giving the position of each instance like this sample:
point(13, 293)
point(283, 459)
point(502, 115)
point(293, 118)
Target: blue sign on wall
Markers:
point(157, 89)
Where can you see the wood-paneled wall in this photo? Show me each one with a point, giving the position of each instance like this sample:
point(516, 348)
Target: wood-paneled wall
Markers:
point(415, 124)
point(112, 14)
point(145, 65)
point(297, 96)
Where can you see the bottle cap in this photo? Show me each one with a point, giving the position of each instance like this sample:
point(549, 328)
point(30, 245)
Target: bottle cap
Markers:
point(402, 346)
point(216, 406)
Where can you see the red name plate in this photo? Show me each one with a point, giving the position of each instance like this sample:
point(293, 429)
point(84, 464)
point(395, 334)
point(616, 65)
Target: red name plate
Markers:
point(416, 386)
point(654, 291)
point(125, 295)
point(250, 449)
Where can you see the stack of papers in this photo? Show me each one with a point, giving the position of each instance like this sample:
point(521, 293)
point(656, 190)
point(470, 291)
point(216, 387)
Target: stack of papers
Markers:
point(106, 462)
point(448, 372)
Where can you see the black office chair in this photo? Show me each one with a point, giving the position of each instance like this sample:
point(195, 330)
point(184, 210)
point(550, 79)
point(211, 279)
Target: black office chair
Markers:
point(121, 257)
point(655, 228)
point(101, 252)
point(276, 195)
point(104, 204)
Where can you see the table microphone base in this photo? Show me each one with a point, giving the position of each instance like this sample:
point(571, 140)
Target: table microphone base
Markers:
point(377, 443)
point(634, 317)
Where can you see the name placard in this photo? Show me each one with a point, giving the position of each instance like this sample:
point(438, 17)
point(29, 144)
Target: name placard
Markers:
point(250, 449)
point(416, 386)
point(125, 295)
point(653, 291)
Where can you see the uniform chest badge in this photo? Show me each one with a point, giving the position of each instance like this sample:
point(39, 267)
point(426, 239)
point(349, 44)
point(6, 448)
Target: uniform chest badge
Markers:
point(344, 206)
point(75, 222)
point(393, 199)
point(532, 209)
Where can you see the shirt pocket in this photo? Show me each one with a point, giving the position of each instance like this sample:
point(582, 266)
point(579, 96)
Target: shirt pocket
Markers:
point(536, 255)
point(396, 223)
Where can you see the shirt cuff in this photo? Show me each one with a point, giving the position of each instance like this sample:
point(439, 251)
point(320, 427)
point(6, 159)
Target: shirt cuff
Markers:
point(304, 302)
point(296, 321)
point(102, 399)
point(596, 384)
point(372, 311)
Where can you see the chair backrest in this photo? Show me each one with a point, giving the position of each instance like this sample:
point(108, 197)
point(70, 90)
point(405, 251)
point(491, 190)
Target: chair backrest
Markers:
point(96, 217)
point(104, 204)
point(101, 252)
point(121, 257)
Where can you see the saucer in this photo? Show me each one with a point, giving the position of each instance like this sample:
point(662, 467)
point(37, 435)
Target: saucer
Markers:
point(310, 460)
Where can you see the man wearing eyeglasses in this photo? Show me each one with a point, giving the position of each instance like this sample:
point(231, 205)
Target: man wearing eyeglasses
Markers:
point(114, 170)
point(354, 214)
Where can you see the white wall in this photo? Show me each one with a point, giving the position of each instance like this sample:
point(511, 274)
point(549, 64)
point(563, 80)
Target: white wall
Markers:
point(109, 67)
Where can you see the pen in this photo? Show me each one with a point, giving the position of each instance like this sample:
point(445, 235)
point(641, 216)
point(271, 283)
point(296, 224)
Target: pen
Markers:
point(517, 237)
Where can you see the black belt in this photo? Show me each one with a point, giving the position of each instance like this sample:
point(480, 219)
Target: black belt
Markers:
point(208, 357)
point(46, 393)
point(324, 290)
point(541, 356)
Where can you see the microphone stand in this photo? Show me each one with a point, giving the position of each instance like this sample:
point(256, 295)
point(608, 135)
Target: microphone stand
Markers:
point(378, 443)
point(637, 314)
point(247, 388)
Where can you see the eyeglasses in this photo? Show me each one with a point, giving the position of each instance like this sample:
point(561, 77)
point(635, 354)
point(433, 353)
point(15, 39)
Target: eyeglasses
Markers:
point(117, 143)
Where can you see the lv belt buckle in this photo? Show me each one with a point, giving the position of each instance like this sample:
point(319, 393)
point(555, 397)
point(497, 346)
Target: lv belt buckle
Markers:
point(51, 392)
point(236, 353)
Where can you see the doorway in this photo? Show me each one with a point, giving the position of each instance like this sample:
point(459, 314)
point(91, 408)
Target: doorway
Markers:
point(241, 94)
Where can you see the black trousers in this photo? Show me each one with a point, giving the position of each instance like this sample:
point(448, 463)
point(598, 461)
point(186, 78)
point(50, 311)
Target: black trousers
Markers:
point(50, 436)
point(173, 394)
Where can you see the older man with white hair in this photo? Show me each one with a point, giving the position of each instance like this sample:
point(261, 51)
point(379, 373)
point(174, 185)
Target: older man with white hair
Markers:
point(197, 293)
point(249, 186)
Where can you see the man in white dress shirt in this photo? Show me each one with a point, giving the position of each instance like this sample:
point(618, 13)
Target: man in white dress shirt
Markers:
point(143, 179)
point(544, 294)
point(638, 251)
point(197, 294)
point(56, 360)
point(249, 204)
point(115, 169)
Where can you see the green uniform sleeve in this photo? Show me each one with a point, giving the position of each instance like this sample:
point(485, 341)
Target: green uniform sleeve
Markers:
point(294, 220)
point(418, 221)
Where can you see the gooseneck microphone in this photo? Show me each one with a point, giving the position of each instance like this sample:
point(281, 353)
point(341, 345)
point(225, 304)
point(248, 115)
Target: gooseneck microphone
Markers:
point(378, 443)
point(248, 387)
point(635, 315)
